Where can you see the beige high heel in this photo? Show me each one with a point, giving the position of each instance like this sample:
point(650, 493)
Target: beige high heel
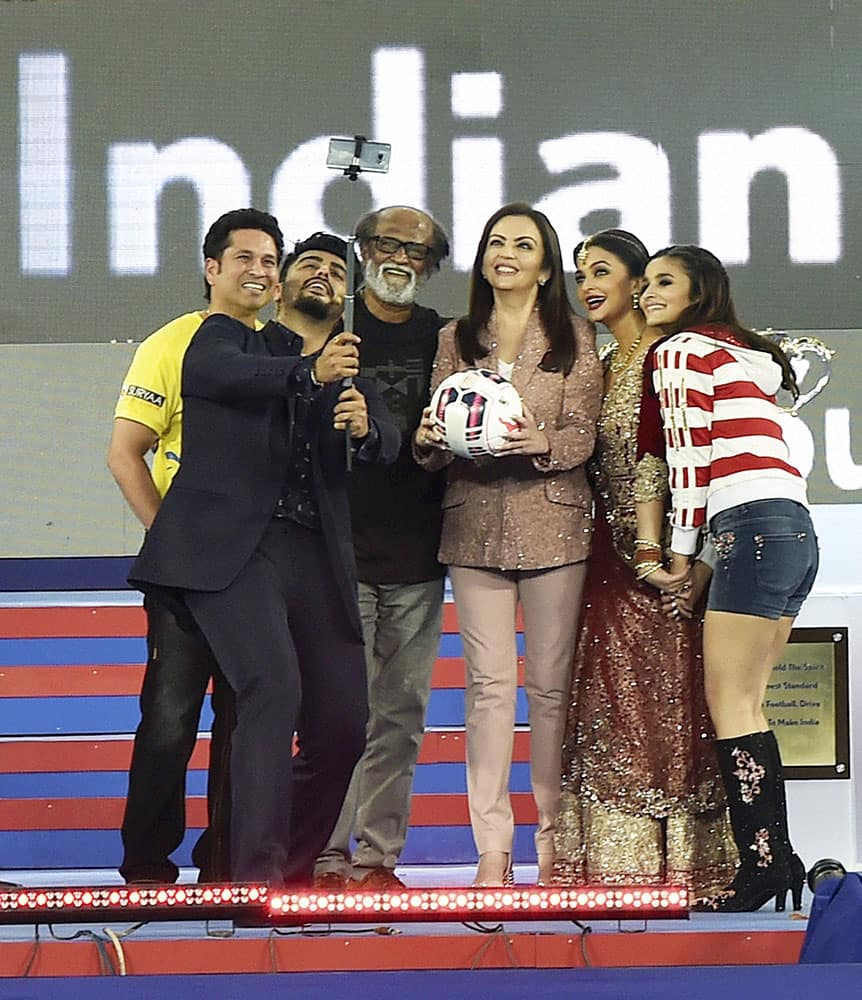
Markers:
point(494, 871)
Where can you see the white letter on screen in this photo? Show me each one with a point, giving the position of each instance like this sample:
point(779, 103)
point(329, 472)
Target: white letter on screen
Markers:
point(298, 184)
point(843, 471)
point(44, 168)
point(640, 191)
point(476, 95)
point(477, 192)
point(727, 164)
point(398, 117)
point(137, 174)
point(477, 163)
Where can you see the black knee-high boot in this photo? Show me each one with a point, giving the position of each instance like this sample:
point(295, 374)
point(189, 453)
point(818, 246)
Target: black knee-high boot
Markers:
point(797, 868)
point(750, 767)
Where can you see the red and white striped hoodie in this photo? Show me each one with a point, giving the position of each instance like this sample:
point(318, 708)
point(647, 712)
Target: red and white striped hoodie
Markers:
point(724, 441)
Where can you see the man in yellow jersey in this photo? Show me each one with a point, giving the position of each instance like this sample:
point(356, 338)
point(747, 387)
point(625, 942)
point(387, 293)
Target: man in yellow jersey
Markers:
point(148, 420)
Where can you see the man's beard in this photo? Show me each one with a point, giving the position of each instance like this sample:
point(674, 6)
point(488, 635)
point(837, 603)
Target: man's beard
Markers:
point(315, 307)
point(391, 294)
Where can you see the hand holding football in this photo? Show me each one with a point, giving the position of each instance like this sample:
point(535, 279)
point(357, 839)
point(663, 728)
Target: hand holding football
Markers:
point(475, 410)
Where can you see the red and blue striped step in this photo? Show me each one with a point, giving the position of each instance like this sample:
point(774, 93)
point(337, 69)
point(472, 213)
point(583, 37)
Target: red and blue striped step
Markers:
point(70, 676)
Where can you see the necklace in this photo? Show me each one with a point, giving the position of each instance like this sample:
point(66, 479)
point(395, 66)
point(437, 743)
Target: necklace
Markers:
point(620, 364)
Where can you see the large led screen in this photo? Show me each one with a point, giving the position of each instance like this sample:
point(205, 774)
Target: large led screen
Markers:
point(126, 127)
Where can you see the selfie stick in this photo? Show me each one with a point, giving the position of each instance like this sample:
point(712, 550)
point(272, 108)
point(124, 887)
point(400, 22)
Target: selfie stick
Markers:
point(340, 157)
point(348, 325)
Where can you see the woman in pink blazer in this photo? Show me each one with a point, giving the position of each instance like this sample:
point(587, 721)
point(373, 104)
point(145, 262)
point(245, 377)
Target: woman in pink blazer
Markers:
point(517, 527)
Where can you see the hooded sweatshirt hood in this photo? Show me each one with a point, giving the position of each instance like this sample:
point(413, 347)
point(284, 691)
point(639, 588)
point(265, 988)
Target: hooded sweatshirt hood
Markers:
point(760, 367)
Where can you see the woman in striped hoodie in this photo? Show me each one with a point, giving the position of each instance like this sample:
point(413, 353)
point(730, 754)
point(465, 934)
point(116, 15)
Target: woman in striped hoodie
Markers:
point(730, 474)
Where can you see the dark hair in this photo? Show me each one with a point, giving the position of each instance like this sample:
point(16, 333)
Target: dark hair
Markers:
point(218, 236)
point(327, 242)
point(711, 302)
point(554, 306)
point(366, 228)
point(621, 243)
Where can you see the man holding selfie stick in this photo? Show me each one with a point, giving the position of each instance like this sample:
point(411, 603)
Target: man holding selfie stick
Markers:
point(253, 542)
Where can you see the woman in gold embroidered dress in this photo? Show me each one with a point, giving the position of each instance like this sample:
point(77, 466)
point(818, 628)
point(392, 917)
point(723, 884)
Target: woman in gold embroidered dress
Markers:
point(642, 799)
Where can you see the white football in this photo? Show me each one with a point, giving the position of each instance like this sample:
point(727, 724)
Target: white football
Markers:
point(474, 410)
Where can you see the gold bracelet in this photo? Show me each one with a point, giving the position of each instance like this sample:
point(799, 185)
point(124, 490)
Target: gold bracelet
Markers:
point(645, 569)
point(646, 543)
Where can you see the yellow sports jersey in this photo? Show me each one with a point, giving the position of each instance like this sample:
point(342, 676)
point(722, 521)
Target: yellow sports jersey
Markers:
point(151, 392)
point(152, 396)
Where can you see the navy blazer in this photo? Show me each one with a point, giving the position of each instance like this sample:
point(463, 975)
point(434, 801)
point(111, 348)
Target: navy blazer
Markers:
point(237, 385)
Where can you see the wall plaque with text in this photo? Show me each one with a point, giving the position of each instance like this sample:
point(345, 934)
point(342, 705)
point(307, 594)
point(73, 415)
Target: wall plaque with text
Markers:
point(806, 704)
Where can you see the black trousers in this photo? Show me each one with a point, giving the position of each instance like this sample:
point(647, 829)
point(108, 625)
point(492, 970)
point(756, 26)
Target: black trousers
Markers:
point(179, 667)
point(283, 639)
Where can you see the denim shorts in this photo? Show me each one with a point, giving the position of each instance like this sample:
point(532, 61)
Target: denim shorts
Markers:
point(767, 559)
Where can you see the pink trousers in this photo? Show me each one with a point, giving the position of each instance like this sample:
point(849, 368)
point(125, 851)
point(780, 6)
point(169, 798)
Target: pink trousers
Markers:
point(487, 601)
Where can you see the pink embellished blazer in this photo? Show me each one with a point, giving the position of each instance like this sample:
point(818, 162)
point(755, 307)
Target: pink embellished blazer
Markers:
point(517, 511)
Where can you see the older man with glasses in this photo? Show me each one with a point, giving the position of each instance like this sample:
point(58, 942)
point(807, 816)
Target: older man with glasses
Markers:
point(396, 532)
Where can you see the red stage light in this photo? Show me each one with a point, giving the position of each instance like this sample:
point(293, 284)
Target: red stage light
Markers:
point(156, 902)
point(193, 902)
point(482, 904)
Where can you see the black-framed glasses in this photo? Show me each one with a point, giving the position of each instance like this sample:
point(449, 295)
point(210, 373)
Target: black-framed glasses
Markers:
point(389, 245)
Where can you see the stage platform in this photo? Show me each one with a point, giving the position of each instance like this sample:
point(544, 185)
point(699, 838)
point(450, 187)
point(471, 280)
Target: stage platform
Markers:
point(186, 948)
point(70, 669)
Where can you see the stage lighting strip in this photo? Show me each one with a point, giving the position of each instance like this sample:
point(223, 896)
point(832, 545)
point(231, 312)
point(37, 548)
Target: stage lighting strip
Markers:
point(189, 902)
point(473, 904)
point(133, 897)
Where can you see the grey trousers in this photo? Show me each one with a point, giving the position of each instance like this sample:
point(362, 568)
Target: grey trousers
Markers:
point(401, 624)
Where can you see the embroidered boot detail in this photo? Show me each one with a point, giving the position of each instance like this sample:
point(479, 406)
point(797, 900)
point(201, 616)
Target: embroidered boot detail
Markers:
point(749, 773)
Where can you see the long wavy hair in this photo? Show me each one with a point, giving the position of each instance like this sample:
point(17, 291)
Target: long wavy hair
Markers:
point(711, 302)
point(553, 300)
